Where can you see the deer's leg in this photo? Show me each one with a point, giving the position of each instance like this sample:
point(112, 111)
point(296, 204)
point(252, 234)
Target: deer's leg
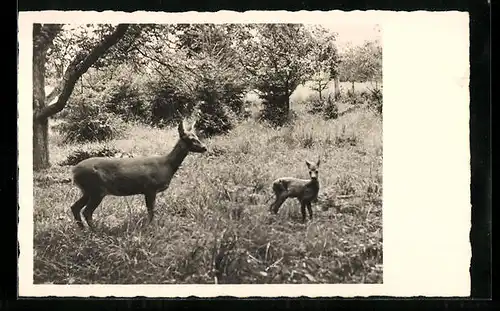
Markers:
point(309, 209)
point(280, 199)
point(303, 211)
point(150, 204)
point(273, 205)
point(93, 203)
point(76, 208)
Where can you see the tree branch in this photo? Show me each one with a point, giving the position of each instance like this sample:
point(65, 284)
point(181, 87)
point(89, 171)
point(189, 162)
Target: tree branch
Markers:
point(159, 61)
point(80, 64)
point(44, 34)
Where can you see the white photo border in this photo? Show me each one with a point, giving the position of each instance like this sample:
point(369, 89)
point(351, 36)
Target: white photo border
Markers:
point(426, 169)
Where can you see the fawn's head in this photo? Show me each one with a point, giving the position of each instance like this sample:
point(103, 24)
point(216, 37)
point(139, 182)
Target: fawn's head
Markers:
point(189, 137)
point(313, 169)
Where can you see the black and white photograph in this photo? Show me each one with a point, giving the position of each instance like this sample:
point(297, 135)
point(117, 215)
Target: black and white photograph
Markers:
point(209, 153)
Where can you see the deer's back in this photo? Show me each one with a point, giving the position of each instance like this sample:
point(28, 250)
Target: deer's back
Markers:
point(121, 177)
point(295, 187)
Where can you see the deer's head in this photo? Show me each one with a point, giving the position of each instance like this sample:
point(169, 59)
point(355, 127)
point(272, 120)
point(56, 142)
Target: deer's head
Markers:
point(189, 137)
point(313, 169)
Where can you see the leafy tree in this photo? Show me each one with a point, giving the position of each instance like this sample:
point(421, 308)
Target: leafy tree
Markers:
point(84, 58)
point(278, 56)
point(362, 63)
point(204, 59)
point(370, 58)
point(324, 60)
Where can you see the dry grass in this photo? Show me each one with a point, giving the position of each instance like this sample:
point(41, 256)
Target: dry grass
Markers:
point(213, 223)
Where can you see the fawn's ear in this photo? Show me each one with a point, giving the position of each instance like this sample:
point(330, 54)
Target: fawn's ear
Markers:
point(193, 125)
point(319, 161)
point(309, 164)
point(181, 127)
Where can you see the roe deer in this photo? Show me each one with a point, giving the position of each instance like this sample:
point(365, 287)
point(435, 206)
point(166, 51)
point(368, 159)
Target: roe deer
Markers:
point(97, 177)
point(305, 190)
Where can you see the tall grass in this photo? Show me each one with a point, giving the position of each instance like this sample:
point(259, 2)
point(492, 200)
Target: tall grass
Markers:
point(213, 223)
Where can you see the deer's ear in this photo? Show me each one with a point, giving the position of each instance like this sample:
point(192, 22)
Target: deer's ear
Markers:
point(309, 164)
point(180, 127)
point(319, 161)
point(193, 125)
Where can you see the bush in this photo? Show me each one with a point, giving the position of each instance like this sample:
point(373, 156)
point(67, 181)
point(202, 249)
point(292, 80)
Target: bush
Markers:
point(89, 123)
point(353, 98)
point(275, 110)
point(327, 107)
point(331, 110)
point(126, 100)
point(220, 93)
point(314, 104)
point(170, 101)
point(84, 153)
point(215, 119)
point(375, 100)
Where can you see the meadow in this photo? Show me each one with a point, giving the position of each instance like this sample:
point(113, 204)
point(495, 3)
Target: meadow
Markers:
point(213, 224)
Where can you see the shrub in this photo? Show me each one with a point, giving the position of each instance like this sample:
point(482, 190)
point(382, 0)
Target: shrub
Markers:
point(170, 101)
point(89, 123)
point(220, 95)
point(275, 110)
point(314, 104)
point(83, 153)
point(215, 119)
point(331, 109)
point(375, 100)
point(327, 107)
point(352, 98)
point(128, 102)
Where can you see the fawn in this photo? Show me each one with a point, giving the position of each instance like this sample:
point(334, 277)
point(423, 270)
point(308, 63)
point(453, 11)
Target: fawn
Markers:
point(305, 190)
point(98, 177)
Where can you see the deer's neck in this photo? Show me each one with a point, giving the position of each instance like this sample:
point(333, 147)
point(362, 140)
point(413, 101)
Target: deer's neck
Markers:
point(313, 183)
point(177, 155)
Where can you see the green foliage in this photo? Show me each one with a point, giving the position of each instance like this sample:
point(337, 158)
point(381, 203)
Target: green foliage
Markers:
point(169, 102)
point(89, 122)
point(353, 98)
point(324, 58)
point(80, 154)
point(324, 106)
point(315, 104)
point(375, 100)
point(362, 63)
point(331, 109)
point(127, 101)
point(275, 109)
point(279, 58)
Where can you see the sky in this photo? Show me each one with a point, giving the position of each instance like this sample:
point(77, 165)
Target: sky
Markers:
point(354, 33)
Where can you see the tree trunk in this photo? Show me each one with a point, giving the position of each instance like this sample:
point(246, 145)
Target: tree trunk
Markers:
point(286, 104)
point(337, 87)
point(40, 145)
point(43, 37)
point(319, 90)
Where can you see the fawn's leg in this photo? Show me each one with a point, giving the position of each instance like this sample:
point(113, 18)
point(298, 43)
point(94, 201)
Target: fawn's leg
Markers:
point(150, 205)
point(277, 204)
point(76, 208)
point(309, 209)
point(303, 211)
point(93, 203)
